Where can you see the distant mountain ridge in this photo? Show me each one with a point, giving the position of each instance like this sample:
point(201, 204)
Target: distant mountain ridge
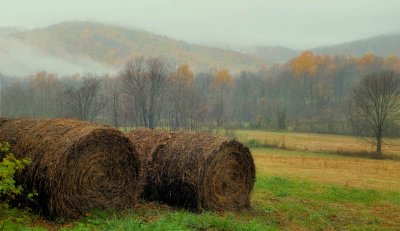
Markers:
point(274, 54)
point(114, 45)
point(83, 46)
point(383, 45)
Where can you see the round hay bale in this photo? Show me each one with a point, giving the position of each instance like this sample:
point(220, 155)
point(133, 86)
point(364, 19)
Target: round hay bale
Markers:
point(2, 121)
point(76, 166)
point(195, 171)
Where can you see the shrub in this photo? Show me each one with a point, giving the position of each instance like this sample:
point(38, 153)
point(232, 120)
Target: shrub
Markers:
point(9, 166)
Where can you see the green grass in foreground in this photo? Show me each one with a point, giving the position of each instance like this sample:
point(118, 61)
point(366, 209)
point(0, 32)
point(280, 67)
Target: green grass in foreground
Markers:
point(278, 203)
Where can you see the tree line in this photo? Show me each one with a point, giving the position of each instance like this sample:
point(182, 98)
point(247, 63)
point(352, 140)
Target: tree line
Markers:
point(310, 93)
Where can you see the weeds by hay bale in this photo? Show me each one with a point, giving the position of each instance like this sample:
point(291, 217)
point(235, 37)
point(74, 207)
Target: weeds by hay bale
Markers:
point(76, 166)
point(195, 171)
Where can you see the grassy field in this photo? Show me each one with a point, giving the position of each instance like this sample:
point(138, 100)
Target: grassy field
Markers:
point(295, 190)
point(316, 142)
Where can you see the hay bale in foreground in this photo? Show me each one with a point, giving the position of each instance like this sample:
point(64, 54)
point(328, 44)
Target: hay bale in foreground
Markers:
point(195, 171)
point(76, 166)
point(2, 121)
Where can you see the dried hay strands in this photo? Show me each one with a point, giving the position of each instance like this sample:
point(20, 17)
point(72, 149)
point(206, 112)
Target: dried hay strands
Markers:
point(76, 166)
point(194, 170)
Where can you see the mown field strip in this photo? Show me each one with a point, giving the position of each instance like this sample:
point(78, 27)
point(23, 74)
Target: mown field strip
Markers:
point(317, 142)
point(343, 171)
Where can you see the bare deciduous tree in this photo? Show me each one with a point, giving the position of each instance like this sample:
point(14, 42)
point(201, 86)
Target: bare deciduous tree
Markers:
point(145, 79)
point(112, 91)
point(86, 102)
point(376, 103)
point(115, 104)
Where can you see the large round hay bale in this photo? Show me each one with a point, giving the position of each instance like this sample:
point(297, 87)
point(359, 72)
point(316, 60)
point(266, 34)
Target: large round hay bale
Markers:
point(194, 170)
point(76, 166)
point(3, 120)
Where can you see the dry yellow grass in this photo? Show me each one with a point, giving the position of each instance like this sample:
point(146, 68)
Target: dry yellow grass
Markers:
point(343, 171)
point(318, 142)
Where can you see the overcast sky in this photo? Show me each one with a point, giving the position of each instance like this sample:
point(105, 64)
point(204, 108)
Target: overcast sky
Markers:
point(298, 24)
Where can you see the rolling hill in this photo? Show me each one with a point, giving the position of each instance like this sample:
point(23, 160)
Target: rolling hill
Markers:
point(383, 45)
point(274, 54)
point(71, 47)
point(114, 45)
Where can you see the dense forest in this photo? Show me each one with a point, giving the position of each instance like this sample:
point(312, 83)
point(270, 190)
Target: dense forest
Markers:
point(308, 93)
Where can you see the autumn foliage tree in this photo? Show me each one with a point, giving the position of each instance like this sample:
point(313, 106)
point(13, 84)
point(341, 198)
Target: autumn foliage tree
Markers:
point(304, 67)
point(45, 90)
point(304, 64)
point(181, 92)
point(220, 86)
point(310, 93)
point(392, 63)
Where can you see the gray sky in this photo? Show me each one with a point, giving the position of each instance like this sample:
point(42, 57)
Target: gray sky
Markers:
point(294, 23)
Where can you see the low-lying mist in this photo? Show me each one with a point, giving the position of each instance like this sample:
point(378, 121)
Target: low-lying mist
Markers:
point(19, 59)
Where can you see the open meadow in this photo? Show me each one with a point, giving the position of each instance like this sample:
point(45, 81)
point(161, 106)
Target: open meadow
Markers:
point(316, 142)
point(199, 115)
point(295, 190)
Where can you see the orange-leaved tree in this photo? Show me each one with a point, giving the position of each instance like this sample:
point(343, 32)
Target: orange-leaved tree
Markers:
point(181, 93)
point(220, 86)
